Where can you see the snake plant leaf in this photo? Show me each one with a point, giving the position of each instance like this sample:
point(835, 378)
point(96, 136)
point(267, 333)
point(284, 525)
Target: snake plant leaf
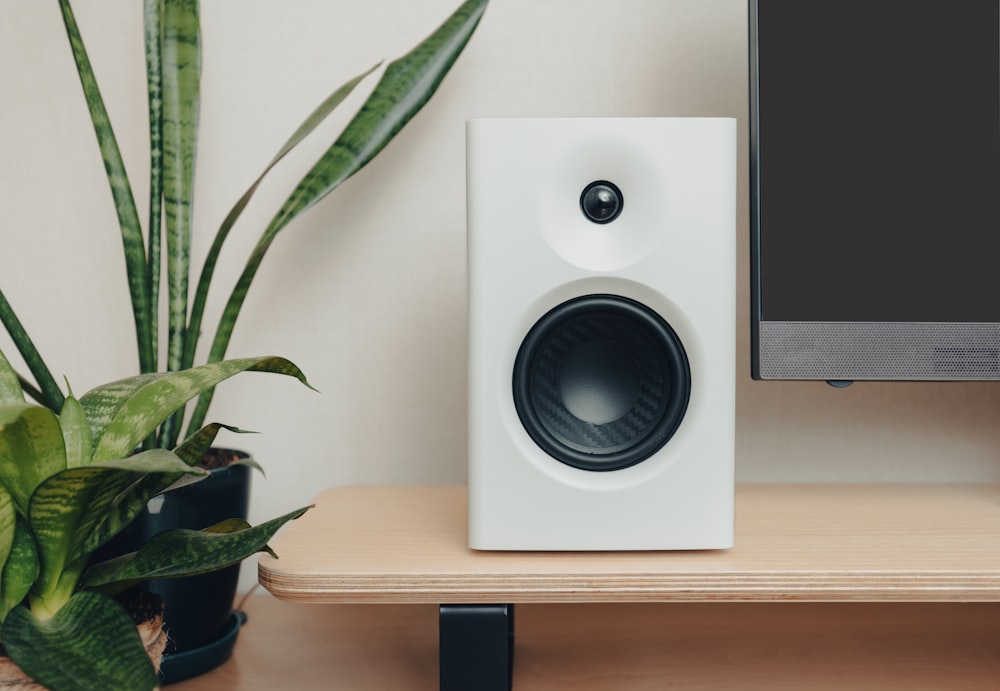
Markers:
point(230, 525)
point(110, 568)
point(19, 570)
point(8, 521)
point(121, 192)
point(211, 259)
point(51, 397)
point(405, 87)
point(91, 643)
point(181, 552)
point(15, 580)
point(152, 22)
point(31, 392)
point(195, 446)
point(124, 511)
point(125, 412)
point(198, 444)
point(68, 512)
point(10, 383)
point(180, 79)
point(31, 450)
point(150, 480)
point(76, 433)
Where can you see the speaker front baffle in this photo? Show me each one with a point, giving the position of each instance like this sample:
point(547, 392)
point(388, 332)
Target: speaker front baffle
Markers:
point(601, 333)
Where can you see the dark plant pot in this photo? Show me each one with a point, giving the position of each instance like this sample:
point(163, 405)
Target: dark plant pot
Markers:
point(198, 609)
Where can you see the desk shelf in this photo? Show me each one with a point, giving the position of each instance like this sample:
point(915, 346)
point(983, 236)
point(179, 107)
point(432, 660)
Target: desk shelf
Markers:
point(824, 543)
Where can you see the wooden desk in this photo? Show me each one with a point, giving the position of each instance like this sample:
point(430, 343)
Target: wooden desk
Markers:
point(829, 586)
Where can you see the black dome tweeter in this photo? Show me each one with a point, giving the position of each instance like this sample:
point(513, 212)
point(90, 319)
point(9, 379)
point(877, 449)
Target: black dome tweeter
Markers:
point(602, 201)
point(601, 382)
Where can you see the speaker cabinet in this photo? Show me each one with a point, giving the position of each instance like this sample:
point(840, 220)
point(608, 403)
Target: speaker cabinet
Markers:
point(601, 333)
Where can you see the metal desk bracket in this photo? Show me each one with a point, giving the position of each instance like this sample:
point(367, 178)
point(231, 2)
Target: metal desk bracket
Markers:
point(476, 647)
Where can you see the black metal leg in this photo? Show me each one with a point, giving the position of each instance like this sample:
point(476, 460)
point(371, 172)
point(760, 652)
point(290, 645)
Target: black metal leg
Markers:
point(476, 647)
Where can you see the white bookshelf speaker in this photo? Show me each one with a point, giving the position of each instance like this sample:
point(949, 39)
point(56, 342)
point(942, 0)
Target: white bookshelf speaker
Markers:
point(601, 333)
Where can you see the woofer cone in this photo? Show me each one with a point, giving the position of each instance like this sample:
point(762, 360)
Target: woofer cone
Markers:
point(601, 382)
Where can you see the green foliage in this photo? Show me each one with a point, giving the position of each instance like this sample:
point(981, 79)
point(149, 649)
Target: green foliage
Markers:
point(91, 643)
point(68, 479)
point(68, 484)
point(172, 34)
point(185, 552)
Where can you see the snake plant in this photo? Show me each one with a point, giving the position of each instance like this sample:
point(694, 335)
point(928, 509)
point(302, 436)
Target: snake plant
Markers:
point(68, 484)
point(69, 477)
point(173, 61)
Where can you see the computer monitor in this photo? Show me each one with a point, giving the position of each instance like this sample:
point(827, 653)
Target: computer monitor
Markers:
point(875, 189)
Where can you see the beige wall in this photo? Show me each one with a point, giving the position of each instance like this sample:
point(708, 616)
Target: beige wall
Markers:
point(367, 291)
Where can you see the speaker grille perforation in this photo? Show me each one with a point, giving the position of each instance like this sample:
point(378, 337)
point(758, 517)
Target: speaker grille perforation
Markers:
point(879, 351)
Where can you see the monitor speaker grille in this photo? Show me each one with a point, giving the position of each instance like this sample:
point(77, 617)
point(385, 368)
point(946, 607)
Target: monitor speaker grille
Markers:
point(879, 350)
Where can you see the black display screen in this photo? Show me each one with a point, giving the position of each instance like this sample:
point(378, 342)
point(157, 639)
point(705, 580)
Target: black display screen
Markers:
point(876, 147)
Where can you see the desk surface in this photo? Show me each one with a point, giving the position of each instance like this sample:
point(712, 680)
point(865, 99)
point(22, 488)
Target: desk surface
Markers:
point(793, 542)
point(626, 647)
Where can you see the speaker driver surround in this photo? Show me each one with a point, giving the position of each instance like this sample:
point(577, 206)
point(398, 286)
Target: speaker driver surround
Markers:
point(601, 382)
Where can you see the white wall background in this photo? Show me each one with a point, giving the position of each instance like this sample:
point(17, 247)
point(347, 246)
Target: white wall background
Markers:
point(366, 292)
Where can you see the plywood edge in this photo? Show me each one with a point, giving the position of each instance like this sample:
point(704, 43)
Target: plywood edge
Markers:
point(822, 543)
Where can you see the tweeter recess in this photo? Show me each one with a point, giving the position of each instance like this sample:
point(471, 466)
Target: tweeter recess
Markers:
point(601, 382)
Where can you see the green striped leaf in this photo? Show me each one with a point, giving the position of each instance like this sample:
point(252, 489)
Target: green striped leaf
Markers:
point(51, 396)
point(152, 22)
point(10, 384)
point(8, 521)
point(405, 87)
point(91, 643)
point(181, 77)
point(121, 192)
point(208, 268)
point(70, 508)
point(19, 570)
point(31, 392)
point(198, 444)
point(31, 450)
point(76, 433)
point(177, 553)
point(125, 412)
point(127, 507)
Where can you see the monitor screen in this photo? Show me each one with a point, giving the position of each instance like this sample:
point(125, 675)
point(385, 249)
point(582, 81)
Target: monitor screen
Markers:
point(875, 189)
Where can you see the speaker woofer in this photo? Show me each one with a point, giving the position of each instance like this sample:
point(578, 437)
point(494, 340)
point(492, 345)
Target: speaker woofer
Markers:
point(601, 382)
